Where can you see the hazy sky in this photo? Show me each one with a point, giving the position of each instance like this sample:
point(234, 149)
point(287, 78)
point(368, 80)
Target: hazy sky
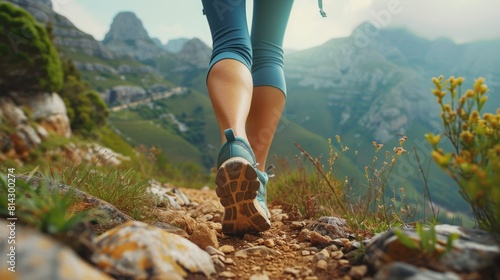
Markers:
point(459, 20)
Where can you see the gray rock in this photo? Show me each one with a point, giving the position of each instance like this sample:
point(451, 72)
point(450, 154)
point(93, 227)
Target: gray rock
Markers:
point(50, 109)
point(109, 216)
point(473, 251)
point(332, 227)
point(11, 113)
point(28, 135)
point(404, 271)
point(38, 257)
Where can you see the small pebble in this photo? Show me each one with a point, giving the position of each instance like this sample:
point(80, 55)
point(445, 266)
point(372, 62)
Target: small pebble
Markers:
point(343, 262)
point(322, 264)
point(226, 249)
point(227, 274)
point(269, 243)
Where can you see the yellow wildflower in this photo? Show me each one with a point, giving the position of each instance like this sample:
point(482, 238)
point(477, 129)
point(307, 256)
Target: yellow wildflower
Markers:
point(482, 101)
point(474, 117)
point(467, 136)
point(469, 93)
point(439, 93)
point(440, 159)
point(478, 83)
point(433, 139)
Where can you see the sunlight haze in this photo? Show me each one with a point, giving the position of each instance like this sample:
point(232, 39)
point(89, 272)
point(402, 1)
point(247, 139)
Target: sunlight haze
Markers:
point(462, 20)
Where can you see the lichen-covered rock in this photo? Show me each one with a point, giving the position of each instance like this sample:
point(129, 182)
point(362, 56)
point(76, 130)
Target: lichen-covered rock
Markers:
point(140, 251)
point(38, 257)
point(473, 251)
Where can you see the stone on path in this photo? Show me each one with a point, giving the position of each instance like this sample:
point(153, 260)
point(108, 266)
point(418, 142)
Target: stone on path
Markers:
point(39, 257)
point(474, 251)
point(140, 251)
point(203, 236)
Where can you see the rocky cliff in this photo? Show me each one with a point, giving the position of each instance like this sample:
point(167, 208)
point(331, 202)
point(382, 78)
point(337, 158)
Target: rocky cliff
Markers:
point(126, 26)
point(379, 80)
point(175, 45)
point(195, 53)
point(67, 36)
point(127, 37)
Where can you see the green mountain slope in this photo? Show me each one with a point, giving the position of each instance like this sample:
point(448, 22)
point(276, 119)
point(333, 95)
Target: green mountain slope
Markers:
point(374, 85)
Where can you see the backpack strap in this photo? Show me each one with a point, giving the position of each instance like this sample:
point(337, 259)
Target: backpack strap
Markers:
point(321, 11)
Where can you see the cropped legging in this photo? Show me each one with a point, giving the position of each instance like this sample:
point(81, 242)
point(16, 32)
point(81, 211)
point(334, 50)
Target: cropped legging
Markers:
point(262, 51)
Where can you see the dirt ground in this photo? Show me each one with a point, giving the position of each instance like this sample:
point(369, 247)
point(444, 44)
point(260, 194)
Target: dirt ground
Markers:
point(282, 252)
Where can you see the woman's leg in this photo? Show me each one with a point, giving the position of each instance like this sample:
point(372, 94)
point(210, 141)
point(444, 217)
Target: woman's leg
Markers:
point(230, 88)
point(229, 81)
point(270, 19)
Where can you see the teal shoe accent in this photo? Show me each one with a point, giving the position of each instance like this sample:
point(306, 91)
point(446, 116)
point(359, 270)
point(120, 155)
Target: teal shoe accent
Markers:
point(237, 186)
point(235, 147)
point(262, 192)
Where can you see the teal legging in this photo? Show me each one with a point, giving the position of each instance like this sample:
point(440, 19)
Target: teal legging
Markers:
point(262, 51)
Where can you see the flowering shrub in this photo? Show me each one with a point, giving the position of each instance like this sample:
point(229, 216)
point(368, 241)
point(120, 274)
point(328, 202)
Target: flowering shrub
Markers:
point(474, 162)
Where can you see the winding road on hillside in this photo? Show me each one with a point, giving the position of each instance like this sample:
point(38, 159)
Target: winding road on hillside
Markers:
point(163, 95)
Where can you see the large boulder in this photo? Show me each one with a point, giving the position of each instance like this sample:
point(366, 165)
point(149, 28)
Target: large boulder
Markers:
point(50, 111)
point(471, 251)
point(140, 251)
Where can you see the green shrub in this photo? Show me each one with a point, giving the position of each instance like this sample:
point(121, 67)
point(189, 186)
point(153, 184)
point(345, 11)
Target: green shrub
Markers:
point(318, 191)
point(45, 210)
point(124, 189)
point(86, 110)
point(30, 62)
point(474, 162)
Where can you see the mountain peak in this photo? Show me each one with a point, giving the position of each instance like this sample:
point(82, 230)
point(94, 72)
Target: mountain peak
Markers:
point(365, 27)
point(126, 26)
point(196, 52)
point(175, 45)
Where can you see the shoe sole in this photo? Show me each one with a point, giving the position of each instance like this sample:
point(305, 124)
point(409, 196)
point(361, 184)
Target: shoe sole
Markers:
point(237, 185)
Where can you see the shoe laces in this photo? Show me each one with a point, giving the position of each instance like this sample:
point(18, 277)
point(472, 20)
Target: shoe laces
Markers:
point(270, 169)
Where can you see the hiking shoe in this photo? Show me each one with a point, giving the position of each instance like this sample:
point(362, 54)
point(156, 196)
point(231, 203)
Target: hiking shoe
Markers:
point(262, 193)
point(237, 184)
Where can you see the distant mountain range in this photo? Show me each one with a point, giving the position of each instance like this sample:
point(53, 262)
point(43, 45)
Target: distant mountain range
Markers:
point(374, 85)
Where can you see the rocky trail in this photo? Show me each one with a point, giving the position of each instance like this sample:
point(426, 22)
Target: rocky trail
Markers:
point(286, 251)
point(183, 240)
